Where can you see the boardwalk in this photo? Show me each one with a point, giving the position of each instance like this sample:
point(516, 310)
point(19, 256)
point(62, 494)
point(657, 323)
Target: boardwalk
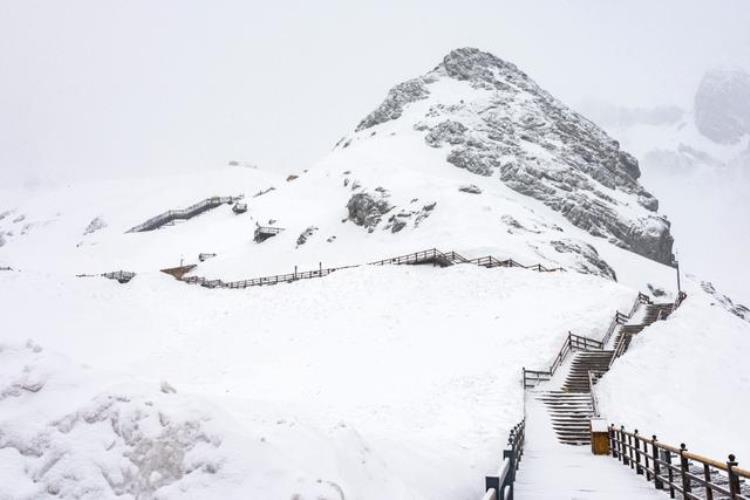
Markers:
point(554, 471)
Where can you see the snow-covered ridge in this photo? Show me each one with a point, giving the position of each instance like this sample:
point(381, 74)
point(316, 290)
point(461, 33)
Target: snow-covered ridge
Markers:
point(493, 120)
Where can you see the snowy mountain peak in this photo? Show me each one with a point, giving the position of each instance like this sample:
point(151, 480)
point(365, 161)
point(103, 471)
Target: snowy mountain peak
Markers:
point(722, 105)
point(492, 120)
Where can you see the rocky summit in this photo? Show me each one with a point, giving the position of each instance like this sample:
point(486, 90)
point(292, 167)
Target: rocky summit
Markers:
point(489, 118)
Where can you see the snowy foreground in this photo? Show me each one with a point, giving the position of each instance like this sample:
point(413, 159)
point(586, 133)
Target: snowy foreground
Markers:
point(385, 382)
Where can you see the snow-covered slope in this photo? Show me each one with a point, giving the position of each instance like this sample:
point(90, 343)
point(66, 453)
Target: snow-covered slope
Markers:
point(374, 382)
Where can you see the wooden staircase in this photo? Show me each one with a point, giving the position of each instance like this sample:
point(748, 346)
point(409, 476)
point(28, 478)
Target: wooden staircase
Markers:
point(572, 407)
point(654, 312)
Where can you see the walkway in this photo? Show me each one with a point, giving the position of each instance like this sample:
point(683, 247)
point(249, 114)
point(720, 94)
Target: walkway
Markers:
point(554, 471)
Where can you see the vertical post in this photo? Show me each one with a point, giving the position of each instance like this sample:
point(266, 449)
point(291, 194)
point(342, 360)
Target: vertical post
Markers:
point(295, 271)
point(320, 269)
point(655, 457)
point(734, 479)
point(623, 450)
point(679, 288)
point(612, 440)
point(630, 452)
point(707, 478)
point(684, 471)
point(670, 472)
point(637, 450)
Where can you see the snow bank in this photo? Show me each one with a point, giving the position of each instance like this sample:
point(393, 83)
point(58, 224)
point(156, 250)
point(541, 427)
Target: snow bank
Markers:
point(387, 382)
point(687, 380)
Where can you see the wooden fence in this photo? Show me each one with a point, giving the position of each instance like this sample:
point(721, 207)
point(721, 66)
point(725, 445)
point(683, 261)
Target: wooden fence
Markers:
point(500, 486)
point(432, 256)
point(185, 213)
point(677, 470)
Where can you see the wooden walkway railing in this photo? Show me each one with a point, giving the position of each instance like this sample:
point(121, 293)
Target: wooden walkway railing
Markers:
point(500, 486)
point(432, 256)
point(572, 343)
point(677, 470)
point(185, 213)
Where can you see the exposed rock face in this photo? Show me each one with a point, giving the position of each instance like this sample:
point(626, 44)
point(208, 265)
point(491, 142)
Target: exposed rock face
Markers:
point(470, 188)
point(722, 106)
point(510, 128)
point(95, 225)
point(591, 263)
point(727, 303)
point(367, 210)
point(393, 106)
point(306, 234)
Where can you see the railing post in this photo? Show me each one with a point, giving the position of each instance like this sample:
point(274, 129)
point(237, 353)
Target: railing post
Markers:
point(645, 458)
point(612, 440)
point(630, 452)
point(670, 472)
point(707, 478)
point(684, 471)
point(622, 446)
point(637, 443)
point(655, 457)
point(734, 479)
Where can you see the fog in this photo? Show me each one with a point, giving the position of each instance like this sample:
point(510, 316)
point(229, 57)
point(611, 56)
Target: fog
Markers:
point(99, 88)
point(104, 88)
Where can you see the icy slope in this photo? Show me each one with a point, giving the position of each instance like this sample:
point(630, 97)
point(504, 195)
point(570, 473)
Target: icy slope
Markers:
point(381, 382)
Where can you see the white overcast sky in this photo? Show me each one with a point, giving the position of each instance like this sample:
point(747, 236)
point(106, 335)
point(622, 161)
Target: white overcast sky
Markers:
point(112, 88)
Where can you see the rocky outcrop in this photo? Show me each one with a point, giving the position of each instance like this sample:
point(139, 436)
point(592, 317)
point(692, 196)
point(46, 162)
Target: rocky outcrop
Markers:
point(589, 262)
point(393, 106)
point(367, 209)
point(470, 188)
point(722, 106)
point(305, 235)
point(95, 225)
point(739, 310)
point(514, 130)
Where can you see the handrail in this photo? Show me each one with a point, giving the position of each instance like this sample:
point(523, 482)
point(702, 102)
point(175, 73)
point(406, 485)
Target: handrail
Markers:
point(185, 213)
point(500, 486)
point(572, 342)
point(682, 476)
point(432, 255)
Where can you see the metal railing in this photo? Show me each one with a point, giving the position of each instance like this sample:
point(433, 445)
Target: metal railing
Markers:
point(677, 470)
point(500, 486)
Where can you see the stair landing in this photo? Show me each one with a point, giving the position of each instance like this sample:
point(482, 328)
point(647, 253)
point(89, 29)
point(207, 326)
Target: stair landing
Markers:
point(553, 471)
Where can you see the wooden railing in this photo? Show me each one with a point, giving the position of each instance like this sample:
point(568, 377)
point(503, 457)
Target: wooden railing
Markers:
point(431, 256)
point(572, 342)
point(676, 469)
point(185, 213)
point(500, 486)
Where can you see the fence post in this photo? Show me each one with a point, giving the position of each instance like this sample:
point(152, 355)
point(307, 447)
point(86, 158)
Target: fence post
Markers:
point(645, 458)
point(630, 452)
point(734, 479)
point(612, 440)
point(707, 477)
point(684, 471)
point(623, 452)
point(670, 473)
point(637, 450)
point(655, 456)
